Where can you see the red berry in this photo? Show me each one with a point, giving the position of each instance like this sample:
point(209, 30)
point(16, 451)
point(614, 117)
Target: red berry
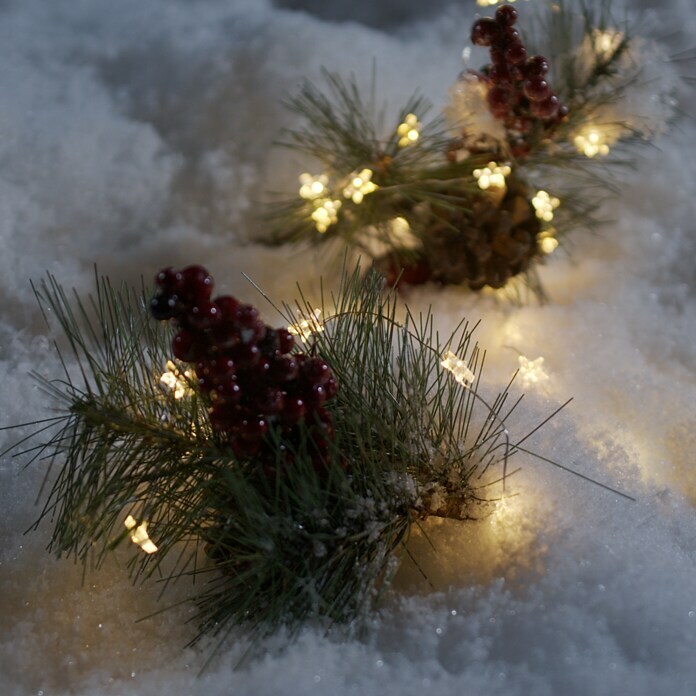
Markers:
point(262, 371)
point(506, 15)
point(286, 340)
point(245, 355)
point(284, 368)
point(500, 75)
point(317, 371)
point(484, 32)
point(163, 307)
point(228, 307)
point(252, 428)
point(562, 112)
point(547, 108)
point(512, 35)
point(331, 386)
point(317, 395)
point(499, 101)
point(270, 401)
point(294, 411)
point(536, 89)
point(197, 283)
point(203, 315)
point(247, 315)
point(226, 391)
point(187, 347)
point(536, 65)
point(515, 53)
point(167, 279)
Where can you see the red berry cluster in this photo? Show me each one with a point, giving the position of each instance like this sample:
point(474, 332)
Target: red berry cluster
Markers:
point(519, 91)
point(247, 369)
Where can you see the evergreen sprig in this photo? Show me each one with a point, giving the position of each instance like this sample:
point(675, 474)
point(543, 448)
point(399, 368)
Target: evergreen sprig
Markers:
point(277, 545)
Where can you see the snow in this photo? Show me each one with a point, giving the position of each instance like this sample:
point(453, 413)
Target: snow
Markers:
point(138, 134)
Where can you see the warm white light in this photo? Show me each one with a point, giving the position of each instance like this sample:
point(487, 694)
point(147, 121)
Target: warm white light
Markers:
point(490, 3)
point(325, 213)
point(544, 205)
point(606, 42)
point(409, 130)
point(548, 244)
point(306, 327)
point(139, 534)
point(492, 176)
point(458, 368)
point(360, 185)
point(532, 372)
point(176, 381)
point(592, 141)
point(313, 186)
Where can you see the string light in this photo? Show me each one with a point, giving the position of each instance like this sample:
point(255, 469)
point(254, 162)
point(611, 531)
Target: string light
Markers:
point(548, 244)
point(306, 327)
point(532, 372)
point(313, 186)
point(606, 43)
point(409, 130)
point(492, 176)
point(360, 185)
point(592, 142)
point(325, 213)
point(490, 3)
point(139, 534)
point(544, 205)
point(458, 368)
point(176, 381)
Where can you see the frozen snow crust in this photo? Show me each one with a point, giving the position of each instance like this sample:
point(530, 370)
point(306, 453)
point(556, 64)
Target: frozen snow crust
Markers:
point(137, 134)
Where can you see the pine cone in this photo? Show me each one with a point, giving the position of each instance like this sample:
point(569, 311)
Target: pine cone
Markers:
point(487, 245)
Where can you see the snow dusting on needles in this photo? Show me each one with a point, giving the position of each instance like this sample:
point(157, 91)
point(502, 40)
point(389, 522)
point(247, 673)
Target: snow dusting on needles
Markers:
point(139, 135)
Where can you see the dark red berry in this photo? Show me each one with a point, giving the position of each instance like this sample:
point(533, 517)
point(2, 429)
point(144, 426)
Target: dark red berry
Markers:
point(245, 355)
point(247, 315)
point(536, 89)
point(331, 386)
point(536, 65)
point(317, 371)
point(562, 112)
point(515, 53)
point(252, 428)
point(271, 401)
point(500, 75)
point(228, 307)
point(197, 283)
point(506, 15)
point(317, 395)
point(187, 347)
point(284, 368)
point(168, 279)
point(547, 108)
point(269, 345)
point(512, 35)
point(294, 411)
point(202, 315)
point(286, 340)
point(226, 392)
point(499, 101)
point(163, 307)
point(484, 32)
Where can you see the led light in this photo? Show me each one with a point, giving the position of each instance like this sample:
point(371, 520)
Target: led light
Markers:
point(325, 213)
point(176, 381)
point(360, 185)
point(313, 186)
point(592, 142)
point(606, 43)
point(532, 372)
point(548, 244)
point(492, 176)
point(544, 205)
point(409, 130)
point(139, 534)
point(306, 327)
point(458, 368)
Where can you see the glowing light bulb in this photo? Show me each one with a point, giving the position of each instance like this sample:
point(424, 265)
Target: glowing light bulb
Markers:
point(305, 328)
point(360, 185)
point(458, 368)
point(548, 244)
point(325, 213)
point(409, 130)
point(544, 205)
point(490, 3)
point(532, 372)
point(592, 142)
point(313, 186)
point(606, 43)
point(492, 176)
point(139, 534)
point(176, 381)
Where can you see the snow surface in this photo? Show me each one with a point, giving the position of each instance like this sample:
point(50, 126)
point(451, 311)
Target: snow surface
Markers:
point(137, 134)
